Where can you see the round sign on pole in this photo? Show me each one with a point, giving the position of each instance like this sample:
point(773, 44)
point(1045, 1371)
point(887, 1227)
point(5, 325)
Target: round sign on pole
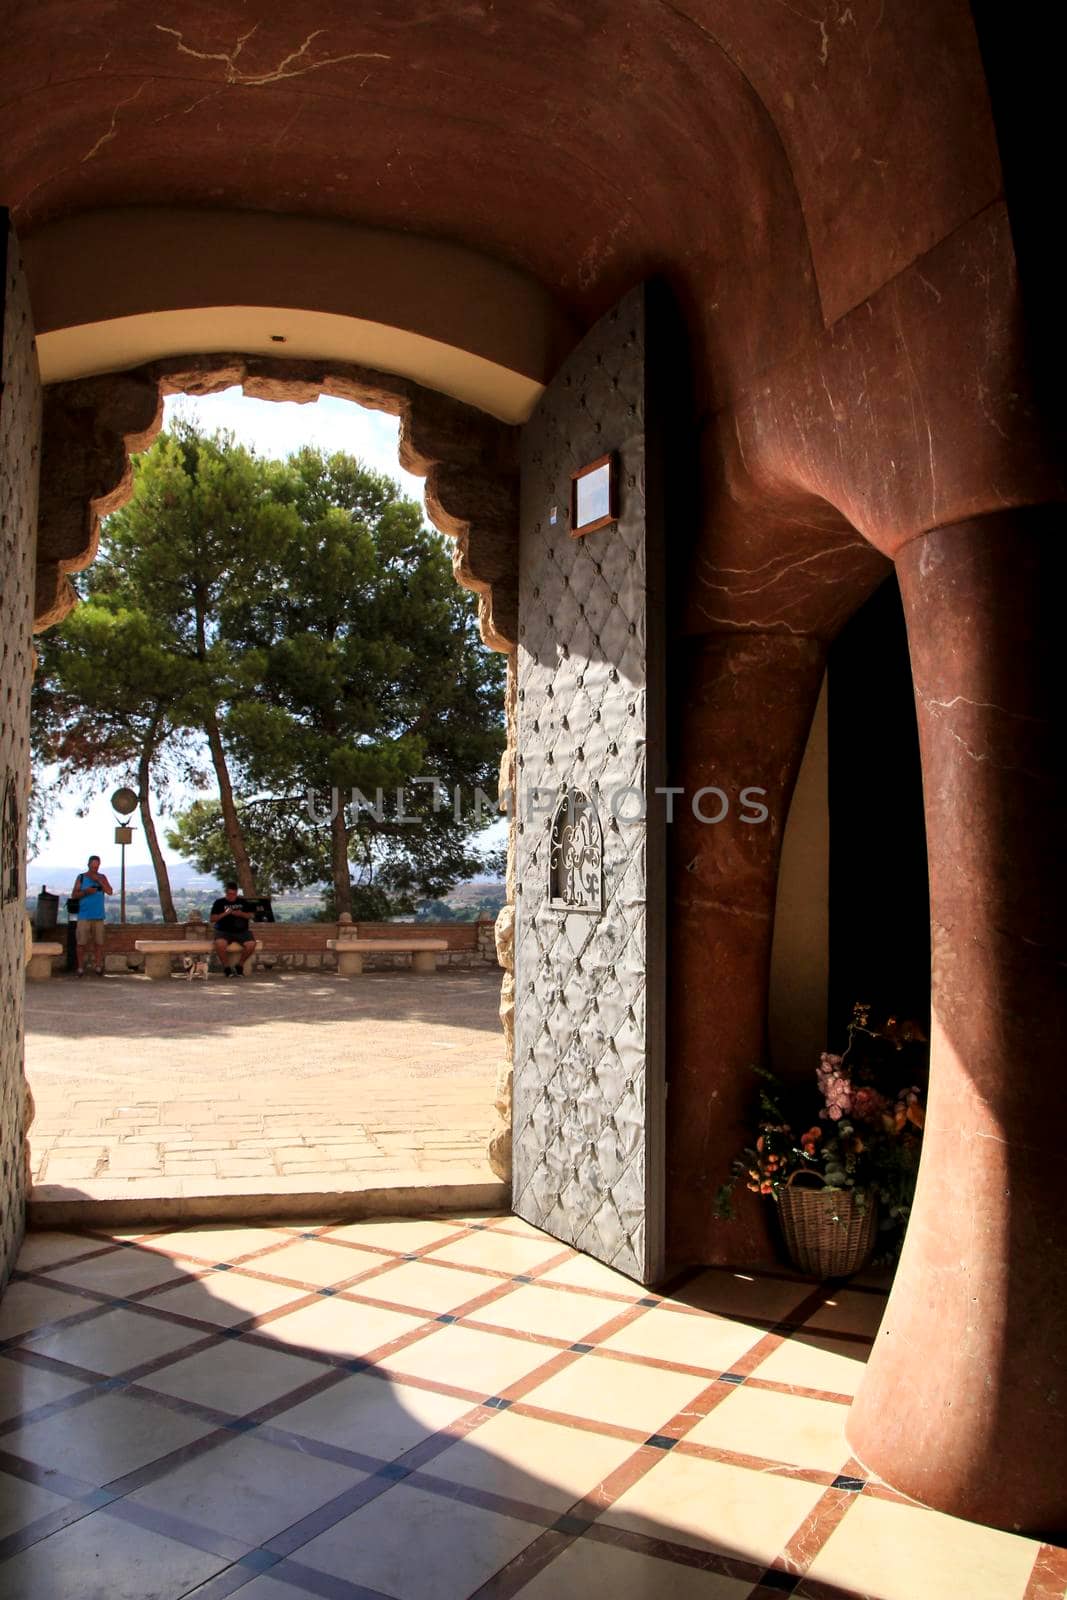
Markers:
point(124, 801)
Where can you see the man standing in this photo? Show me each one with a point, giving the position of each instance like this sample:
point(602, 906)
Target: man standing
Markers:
point(231, 916)
point(90, 888)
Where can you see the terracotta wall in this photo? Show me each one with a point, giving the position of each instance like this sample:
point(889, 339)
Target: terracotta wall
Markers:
point(20, 427)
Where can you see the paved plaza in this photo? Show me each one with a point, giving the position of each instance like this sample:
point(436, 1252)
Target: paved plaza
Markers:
point(272, 1084)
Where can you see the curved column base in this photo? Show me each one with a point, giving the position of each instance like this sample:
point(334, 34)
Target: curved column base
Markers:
point(964, 1402)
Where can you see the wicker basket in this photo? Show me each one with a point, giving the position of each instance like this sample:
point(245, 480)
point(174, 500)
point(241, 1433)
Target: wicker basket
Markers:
point(826, 1232)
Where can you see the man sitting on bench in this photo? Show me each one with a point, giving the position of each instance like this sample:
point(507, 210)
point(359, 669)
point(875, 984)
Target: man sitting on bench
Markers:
point(231, 917)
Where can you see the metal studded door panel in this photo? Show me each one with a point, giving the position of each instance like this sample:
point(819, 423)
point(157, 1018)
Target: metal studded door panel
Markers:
point(588, 1111)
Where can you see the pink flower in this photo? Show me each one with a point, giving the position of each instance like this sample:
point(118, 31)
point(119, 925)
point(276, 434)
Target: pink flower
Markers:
point(868, 1105)
point(834, 1086)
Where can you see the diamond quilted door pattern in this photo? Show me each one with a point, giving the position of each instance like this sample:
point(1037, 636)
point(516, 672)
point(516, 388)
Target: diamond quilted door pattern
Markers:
point(588, 1113)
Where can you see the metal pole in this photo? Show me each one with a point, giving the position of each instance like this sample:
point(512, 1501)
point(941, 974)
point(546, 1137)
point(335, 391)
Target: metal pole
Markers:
point(123, 803)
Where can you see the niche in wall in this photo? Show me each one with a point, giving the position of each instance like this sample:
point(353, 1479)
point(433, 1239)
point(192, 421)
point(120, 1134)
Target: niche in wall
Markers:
point(879, 897)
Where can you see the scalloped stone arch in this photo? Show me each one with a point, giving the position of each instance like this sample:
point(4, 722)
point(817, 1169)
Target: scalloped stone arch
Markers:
point(93, 425)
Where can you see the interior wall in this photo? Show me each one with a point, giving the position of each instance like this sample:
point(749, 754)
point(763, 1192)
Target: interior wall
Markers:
point(879, 885)
point(797, 1002)
point(20, 432)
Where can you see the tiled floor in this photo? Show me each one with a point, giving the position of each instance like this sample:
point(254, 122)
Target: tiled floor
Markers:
point(443, 1408)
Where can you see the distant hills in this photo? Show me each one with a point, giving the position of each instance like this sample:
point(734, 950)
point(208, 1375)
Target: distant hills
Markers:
point(475, 889)
point(60, 878)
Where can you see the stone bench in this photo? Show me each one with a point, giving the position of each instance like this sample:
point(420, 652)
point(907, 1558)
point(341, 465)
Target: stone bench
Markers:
point(39, 966)
point(350, 953)
point(159, 953)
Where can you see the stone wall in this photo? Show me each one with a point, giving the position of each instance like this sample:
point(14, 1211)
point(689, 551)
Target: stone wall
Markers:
point(20, 430)
point(504, 936)
point(301, 946)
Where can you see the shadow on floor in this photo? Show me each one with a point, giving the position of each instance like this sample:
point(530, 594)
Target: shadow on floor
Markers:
point(440, 1407)
point(133, 1006)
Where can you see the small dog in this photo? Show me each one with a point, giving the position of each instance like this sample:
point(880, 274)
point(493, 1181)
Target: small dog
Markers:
point(195, 967)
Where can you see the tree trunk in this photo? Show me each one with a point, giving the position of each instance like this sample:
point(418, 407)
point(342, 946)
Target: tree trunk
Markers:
point(148, 822)
point(230, 821)
point(342, 881)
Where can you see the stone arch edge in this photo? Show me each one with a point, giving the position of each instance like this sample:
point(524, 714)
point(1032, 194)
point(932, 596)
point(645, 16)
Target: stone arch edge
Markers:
point(93, 425)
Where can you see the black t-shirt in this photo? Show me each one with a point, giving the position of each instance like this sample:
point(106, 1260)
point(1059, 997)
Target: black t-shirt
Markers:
point(232, 927)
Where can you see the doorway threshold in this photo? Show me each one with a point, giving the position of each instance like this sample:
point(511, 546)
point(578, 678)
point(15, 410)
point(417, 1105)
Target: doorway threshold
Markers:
point(107, 1203)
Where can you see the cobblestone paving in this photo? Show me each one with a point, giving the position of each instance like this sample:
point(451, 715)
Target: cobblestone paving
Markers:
point(272, 1077)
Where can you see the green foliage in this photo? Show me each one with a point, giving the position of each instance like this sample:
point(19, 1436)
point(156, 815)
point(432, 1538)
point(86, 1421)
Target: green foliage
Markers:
point(299, 622)
point(284, 854)
point(438, 911)
point(369, 674)
point(106, 707)
point(369, 903)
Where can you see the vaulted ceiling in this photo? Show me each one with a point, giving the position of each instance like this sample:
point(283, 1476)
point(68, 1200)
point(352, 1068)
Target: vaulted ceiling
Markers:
point(779, 160)
point(817, 179)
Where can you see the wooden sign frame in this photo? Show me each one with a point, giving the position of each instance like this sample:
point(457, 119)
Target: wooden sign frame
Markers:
point(610, 462)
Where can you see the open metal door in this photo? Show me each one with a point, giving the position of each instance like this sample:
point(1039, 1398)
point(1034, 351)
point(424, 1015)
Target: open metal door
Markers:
point(589, 1092)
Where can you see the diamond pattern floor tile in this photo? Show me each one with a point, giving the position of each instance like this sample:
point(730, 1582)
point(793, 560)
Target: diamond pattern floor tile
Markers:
point(418, 1546)
point(246, 1488)
point(380, 1483)
point(108, 1437)
point(101, 1558)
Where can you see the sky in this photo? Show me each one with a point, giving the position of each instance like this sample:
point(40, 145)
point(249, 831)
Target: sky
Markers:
point(274, 429)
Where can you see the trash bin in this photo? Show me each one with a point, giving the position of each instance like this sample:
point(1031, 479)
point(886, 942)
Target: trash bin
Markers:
point(46, 917)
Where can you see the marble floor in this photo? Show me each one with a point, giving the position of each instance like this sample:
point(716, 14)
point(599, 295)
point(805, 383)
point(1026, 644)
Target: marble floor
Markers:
point(443, 1408)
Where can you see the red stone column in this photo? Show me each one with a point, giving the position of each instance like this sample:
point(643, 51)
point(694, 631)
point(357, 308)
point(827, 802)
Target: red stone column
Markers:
point(744, 706)
point(964, 1404)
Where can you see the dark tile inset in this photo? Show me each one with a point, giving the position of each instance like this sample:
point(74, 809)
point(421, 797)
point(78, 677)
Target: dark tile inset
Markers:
point(581, 1349)
point(777, 1582)
point(498, 1403)
point(731, 1377)
point(853, 1485)
point(259, 1560)
point(661, 1441)
point(572, 1525)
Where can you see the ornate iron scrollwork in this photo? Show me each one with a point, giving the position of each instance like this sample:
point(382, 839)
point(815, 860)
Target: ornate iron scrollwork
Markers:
point(10, 841)
point(576, 856)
